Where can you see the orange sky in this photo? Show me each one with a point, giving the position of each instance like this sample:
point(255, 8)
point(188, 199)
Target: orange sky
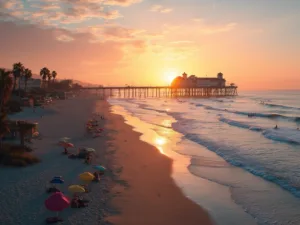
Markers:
point(135, 42)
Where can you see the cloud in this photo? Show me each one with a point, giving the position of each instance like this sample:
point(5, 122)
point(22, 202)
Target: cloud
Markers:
point(207, 29)
point(175, 50)
point(161, 9)
point(64, 38)
point(60, 13)
point(121, 2)
point(53, 48)
point(219, 29)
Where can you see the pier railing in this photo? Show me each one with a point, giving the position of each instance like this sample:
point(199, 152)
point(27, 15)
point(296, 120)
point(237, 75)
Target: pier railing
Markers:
point(162, 91)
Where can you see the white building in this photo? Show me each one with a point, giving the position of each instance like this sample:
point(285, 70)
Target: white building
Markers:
point(193, 81)
point(31, 83)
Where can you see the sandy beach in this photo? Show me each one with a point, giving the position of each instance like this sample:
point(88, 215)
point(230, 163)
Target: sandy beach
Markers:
point(143, 191)
point(150, 196)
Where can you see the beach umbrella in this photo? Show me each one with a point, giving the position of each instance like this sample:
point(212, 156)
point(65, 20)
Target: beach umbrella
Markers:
point(76, 189)
point(90, 149)
point(57, 180)
point(100, 168)
point(86, 176)
point(57, 202)
point(66, 144)
point(87, 149)
point(64, 139)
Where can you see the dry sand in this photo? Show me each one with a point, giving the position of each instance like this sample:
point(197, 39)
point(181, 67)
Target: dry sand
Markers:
point(151, 198)
point(22, 190)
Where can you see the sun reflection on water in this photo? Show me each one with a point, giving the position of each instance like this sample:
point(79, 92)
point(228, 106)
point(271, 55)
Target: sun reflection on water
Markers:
point(166, 123)
point(160, 141)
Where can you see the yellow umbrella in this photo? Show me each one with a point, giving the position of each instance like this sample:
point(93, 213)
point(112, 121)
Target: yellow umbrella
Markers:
point(76, 189)
point(86, 176)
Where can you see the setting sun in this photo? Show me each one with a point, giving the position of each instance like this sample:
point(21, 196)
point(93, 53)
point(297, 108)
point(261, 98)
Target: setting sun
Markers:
point(169, 75)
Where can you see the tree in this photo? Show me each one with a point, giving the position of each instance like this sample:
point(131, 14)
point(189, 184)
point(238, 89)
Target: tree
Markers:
point(44, 74)
point(18, 70)
point(54, 74)
point(76, 86)
point(27, 76)
point(49, 76)
point(6, 86)
point(232, 84)
point(24, 128)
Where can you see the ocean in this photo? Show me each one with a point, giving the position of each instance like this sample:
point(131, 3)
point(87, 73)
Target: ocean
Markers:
point(227, 155)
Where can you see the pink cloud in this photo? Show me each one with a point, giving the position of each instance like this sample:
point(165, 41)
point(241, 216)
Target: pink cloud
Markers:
point(37, 47)
point(161, 9)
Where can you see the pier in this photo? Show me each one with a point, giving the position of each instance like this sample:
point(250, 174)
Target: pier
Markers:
point(162, 92)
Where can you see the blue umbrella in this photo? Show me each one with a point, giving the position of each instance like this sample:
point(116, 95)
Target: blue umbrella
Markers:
point(100, 168)
point(57, 180)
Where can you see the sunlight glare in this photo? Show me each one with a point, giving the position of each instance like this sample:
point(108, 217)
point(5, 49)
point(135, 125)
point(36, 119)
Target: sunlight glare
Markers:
point(169, 75)
point(160, 141)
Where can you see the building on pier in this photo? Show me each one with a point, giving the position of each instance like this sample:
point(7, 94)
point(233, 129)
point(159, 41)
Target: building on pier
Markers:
point(193, 81)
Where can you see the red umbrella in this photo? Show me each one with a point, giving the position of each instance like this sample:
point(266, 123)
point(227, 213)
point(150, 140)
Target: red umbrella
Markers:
point(66, 144)
point(57, 202)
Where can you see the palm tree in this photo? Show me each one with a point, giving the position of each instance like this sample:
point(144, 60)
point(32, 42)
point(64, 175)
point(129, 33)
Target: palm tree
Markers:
point(54, 74)
point(49, 76)
point(27, 76)
point(18, 70)
point(6, 86)
point(44, 74)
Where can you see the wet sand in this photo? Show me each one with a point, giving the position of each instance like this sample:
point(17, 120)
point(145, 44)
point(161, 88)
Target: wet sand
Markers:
point(150, 195)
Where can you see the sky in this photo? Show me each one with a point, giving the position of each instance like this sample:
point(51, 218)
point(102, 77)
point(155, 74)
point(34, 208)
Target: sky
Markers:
point(254, 43)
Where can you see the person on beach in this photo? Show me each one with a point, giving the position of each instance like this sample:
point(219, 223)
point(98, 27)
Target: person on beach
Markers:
point(66, 151)
point(276, 127)
point(97, 175)
point(88, 158)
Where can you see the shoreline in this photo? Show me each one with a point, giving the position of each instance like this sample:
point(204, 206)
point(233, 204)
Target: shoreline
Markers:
point(227, 191)
point(150, 195)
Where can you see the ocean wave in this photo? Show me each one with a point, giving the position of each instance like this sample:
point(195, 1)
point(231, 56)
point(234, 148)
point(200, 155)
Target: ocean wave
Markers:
point(241, 124)
point(253, 114)
point(280, 106)
point(283, 135)
point(287, 135)
point(238, 161)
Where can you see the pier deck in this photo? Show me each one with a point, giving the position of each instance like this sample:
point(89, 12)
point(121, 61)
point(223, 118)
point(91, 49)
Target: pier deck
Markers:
point(162, 91)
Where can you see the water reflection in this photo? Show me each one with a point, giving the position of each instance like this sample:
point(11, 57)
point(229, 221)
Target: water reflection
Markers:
point(160, 141)
point(166, 123)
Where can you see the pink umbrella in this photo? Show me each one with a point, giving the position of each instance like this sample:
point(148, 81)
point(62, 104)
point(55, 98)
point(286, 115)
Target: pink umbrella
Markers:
point(57, 202)
point(66, 144)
